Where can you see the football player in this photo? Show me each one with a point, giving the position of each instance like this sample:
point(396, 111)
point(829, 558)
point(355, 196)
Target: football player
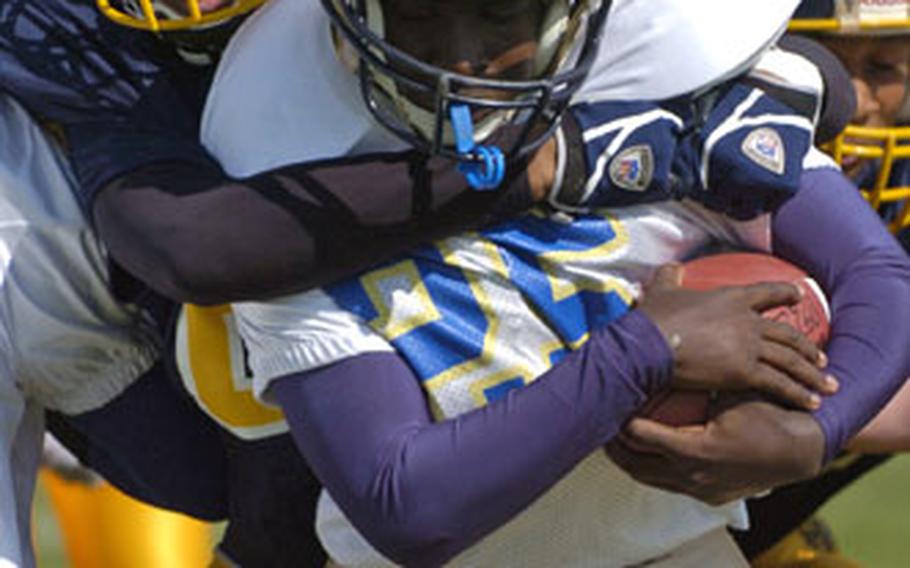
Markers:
point(70, 346)
point(126, 105)
point(91, 363)
point(872, 41)
point(432, 352)
point(108, 344)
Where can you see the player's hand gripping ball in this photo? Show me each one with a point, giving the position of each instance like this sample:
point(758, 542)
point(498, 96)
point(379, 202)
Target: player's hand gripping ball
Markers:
point(811, 316)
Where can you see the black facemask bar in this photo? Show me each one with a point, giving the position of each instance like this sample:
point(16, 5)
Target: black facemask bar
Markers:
point(536, 104)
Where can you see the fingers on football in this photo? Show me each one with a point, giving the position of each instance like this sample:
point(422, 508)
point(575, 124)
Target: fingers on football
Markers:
point(656, 454)
point(651, 468)
point(795, 366)
point(789, 336)
point(782, 387)
point(766, 295)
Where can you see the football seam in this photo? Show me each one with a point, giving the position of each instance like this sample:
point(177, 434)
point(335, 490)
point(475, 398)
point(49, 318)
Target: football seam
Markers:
point(819, 295)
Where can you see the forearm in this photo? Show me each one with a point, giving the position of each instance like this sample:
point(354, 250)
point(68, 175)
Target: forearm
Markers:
point(197, 237)
point(828, 230)
point(421, 491)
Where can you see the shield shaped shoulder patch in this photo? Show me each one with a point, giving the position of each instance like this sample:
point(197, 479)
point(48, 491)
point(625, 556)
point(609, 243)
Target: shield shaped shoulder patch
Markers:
point(765, 147)
point(633, 168)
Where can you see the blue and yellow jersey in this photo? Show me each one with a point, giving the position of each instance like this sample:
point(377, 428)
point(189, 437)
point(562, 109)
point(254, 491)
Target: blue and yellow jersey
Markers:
point(480, 314)
point(488, 312)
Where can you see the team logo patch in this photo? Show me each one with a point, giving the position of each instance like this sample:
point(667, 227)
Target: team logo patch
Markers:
point(633, 168)
point(764, 147)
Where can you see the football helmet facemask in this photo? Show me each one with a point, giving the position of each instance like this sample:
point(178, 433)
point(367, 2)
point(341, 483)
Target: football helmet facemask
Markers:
point(885, 150)
point(162, 16)
point(440, 111)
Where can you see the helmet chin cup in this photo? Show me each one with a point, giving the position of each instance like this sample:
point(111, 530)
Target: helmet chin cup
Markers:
point(483, 166)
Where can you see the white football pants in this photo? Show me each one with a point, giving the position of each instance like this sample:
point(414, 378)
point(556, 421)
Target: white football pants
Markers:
point(65, 342)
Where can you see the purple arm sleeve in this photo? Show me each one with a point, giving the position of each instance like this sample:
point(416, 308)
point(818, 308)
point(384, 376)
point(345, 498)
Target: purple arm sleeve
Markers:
point(421, 491)
point(834, 235)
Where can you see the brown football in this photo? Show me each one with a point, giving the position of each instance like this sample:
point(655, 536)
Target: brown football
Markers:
point(810, 315)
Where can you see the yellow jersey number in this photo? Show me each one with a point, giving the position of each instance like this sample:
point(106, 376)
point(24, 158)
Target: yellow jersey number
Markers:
point(211, 362)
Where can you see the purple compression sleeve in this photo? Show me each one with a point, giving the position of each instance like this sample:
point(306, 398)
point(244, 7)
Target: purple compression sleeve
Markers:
point(835, 236)
point(514, 448)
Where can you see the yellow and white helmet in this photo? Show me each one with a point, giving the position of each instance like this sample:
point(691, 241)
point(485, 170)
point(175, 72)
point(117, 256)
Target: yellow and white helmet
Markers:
point(884, 149)
point(881, 17)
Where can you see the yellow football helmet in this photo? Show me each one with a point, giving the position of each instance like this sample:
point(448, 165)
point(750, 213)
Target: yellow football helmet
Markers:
point(890, 147)
point(885, 149)
point(164, 15)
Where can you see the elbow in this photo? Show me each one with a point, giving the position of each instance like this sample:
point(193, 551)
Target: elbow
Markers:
point(185, 279)
point(172, 258)
point(412, 542)
point(205, 270)
point(410, 529)
point(191, 273)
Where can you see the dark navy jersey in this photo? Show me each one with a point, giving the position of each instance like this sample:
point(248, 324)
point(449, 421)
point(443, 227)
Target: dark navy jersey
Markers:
point(129, 107)
point(122, 97)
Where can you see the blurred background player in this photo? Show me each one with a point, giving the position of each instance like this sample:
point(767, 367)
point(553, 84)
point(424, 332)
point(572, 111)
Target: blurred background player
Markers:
point(70, 347)
point(337, 373)
point(872, 41)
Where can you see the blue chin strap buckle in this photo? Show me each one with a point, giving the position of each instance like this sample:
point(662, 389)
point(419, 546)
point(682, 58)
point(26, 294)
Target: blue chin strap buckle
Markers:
point(483, 166)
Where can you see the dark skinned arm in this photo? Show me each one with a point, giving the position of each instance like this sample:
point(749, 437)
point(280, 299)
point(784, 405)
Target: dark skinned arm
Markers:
point(195, 236)
point(756, 445)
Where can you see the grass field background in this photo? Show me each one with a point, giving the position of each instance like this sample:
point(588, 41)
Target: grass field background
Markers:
point(871, 520)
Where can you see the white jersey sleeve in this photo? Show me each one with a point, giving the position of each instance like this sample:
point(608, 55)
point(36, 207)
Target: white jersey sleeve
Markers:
point(299, 333)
